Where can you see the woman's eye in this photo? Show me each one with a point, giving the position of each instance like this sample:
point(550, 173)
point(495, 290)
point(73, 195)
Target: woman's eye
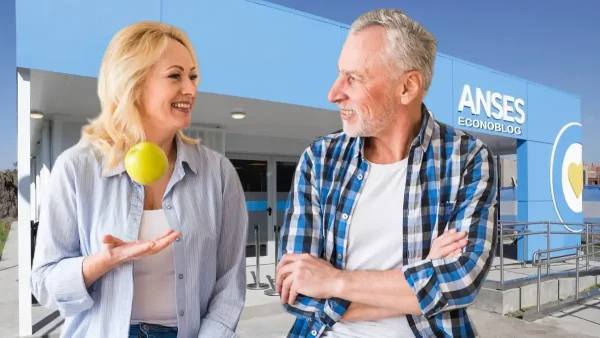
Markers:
point(193, 77)
point(174, 76)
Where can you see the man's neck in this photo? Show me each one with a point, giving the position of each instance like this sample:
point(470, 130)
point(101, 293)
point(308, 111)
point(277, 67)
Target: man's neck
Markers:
point(393, 144)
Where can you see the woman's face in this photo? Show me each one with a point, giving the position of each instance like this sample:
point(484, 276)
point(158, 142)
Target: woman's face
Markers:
point(169, 91)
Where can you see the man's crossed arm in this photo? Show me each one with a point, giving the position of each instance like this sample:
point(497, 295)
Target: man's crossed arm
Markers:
point(314, 277)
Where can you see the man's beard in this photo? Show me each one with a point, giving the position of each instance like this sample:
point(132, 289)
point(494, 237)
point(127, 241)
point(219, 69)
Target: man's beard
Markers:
point(371, 127)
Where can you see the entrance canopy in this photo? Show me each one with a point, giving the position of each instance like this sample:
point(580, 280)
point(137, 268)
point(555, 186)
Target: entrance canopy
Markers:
point(268, 127)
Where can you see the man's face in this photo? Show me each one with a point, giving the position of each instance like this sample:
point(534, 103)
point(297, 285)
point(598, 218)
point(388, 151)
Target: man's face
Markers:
point(365, 88)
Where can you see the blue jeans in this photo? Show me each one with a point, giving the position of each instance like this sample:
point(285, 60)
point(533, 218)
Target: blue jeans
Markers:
point(152, 331)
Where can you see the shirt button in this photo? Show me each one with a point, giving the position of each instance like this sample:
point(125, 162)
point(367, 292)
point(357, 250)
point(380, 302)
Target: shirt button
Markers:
point(181, 313)
point(177, 239)
point(360, 176)
point(180, 276)
point(169, 206)
point(345, 216)
point(314, 332)
point(339, 256)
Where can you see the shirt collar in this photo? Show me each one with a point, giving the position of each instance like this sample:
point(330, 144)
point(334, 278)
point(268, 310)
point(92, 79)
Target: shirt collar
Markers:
point(185, 154)
point(423, 138)
point(426, 132)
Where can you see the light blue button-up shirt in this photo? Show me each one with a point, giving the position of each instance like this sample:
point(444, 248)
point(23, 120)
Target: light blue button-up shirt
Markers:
point(204, 201)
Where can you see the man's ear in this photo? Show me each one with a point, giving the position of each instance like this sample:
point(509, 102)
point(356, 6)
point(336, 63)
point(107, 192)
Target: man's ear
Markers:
point(410, 87)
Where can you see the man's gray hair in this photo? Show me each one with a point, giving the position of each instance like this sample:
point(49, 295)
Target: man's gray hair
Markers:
point(410, 46)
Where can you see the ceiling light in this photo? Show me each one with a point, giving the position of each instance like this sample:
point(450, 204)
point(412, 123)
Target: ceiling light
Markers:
point(238, 114)
point(36, 115)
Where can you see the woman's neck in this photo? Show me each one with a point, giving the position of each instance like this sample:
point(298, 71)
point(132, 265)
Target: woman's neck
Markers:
point(166, 142)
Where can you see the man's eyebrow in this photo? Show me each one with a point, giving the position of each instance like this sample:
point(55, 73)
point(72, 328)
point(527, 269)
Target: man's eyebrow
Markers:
point(351, 72)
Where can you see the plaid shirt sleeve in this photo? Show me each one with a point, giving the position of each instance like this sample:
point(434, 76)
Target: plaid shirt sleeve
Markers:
point(302, 233)
point(449, 283)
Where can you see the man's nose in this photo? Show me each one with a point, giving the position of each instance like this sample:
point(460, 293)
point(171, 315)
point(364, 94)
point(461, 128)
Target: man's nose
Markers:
point(336, 93)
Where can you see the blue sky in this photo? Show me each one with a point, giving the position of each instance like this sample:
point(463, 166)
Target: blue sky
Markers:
point(550, 42)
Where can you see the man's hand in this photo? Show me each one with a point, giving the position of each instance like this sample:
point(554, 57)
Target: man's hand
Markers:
point(305, 274)
point(449, 244)
point(314, 277)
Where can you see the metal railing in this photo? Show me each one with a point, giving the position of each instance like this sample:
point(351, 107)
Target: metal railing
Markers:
point(537, 262)
point(522, 231)
point(543, 257)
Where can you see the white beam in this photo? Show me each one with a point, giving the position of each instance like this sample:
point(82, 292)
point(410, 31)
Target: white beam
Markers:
point(24, 184)
point(45, 161)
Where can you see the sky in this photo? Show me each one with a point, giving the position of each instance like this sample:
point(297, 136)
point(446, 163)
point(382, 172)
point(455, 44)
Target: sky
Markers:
point(551, 42)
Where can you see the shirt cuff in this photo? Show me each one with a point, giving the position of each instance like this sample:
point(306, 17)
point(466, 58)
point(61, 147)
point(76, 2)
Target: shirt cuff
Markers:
point(71, 294)
point(210, 329)
point(422, 278)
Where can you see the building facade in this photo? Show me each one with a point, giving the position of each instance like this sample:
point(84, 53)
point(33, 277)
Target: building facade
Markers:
point(277, 65)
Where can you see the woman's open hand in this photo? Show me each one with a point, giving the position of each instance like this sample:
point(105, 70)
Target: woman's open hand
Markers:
point(118, 252)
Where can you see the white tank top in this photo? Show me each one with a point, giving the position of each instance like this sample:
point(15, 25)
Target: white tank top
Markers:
point(375, 243)
point(154, 276)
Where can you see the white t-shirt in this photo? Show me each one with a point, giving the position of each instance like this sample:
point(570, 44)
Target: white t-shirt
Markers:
point(154, 276)
point(375, 243)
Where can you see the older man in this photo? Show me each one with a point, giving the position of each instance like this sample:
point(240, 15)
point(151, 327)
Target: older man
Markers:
point(370, 246)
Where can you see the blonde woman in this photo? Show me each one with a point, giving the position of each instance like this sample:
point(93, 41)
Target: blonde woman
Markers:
point(119, 259)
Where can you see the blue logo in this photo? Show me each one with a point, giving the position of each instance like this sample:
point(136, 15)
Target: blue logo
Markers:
point(566, 173)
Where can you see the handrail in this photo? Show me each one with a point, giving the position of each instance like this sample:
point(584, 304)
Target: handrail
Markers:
point(537, 256)
point(537, 261)
point(524, 231)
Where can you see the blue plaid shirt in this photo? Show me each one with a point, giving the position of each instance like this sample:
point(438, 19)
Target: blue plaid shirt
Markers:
point(451, 183)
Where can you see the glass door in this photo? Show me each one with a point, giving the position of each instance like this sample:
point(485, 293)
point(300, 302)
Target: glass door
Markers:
point(285, 168)
point(266, 181)
point(255, 175)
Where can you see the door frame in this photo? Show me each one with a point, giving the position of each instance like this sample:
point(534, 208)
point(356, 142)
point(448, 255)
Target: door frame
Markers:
point(271, 198)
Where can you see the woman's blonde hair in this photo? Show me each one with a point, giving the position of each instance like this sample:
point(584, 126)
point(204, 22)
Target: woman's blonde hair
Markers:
point(127, 60)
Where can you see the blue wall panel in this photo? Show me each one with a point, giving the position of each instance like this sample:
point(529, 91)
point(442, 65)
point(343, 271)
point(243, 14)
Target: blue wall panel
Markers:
point(260, 52)
point(439, 97)
point(69, 36)
point(549, 111)
point(8, 83)
point(489, 99)
point(535, 172)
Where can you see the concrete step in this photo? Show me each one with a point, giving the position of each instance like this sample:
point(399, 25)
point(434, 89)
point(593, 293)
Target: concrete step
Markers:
point(524, 298)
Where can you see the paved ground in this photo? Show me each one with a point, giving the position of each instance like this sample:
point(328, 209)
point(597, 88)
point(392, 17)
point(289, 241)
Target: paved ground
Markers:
point(264, 318)
point(276, 325)
point(583, 319)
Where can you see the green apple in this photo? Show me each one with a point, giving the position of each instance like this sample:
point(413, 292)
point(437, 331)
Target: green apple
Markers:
point(146, 163)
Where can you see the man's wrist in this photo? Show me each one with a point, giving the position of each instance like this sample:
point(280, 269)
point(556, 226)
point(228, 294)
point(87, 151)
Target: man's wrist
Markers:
point(340, 281)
